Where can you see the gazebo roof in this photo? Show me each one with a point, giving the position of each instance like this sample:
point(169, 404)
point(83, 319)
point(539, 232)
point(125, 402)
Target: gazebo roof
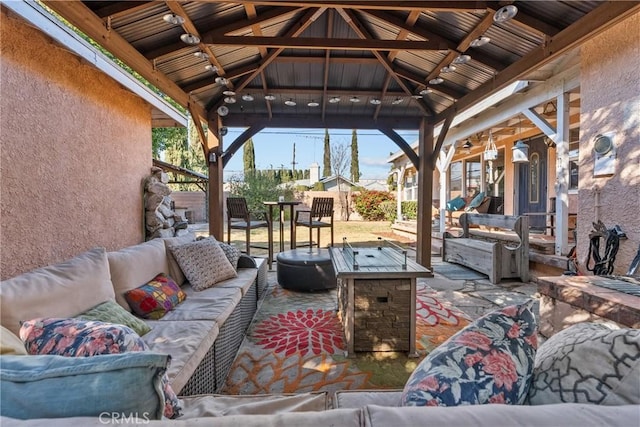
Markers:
point(384, 54)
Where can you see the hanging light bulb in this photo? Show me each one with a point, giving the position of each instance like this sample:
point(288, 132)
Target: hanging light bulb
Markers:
point(467, 146)
point(520, 150)
point(480, 41)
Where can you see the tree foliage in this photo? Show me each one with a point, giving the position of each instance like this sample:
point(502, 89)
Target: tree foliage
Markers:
point(368, 204)
point(326, 170)
point(258, 187)
point(355, 166)
point(249, 157)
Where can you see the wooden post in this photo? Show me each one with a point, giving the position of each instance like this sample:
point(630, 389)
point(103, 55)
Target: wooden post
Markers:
point(425, 193)
point(216, 194)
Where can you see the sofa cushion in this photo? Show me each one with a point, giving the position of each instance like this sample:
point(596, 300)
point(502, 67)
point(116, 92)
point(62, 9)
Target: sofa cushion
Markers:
point(83, 338)
point(475, 202)
point(60, 387)
point(361, 398)
point(455, 204)
point(204, 263)
point(136, 265)
point(218, 405)
point(489, 361)
point(567, 415)
point(588, 363)
point(10, 343)
point(156, 298)
point(216, 304)
point(59, 290)
point(111, 312)
point(174, 268)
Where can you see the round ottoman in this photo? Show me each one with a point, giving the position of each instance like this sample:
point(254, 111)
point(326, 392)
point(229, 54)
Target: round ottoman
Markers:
point(306, 270)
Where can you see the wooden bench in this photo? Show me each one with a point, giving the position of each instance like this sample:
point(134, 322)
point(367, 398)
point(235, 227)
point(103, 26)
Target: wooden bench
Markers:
point(497, 259)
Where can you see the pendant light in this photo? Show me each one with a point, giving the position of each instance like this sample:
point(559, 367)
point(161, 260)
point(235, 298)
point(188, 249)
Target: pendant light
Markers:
point(520, 150)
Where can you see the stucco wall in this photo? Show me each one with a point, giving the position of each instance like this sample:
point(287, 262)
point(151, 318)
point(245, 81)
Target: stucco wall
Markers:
point(75, 147)
point(610, 92)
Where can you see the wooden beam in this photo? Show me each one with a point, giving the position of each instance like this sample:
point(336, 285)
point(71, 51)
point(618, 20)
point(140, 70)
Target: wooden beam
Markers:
point(321, 59)
point(332, 121)
point(327, 57)
point(200, 129)
point(449, 6)
point(115, 9)
point(239, 142)
point(321, 43)
point(425, 190)
point(216, 178)
point(441, 136)
point(209, 80)
point(402, 144)
point(80, 16)
point(598, 20)
point(265, 17)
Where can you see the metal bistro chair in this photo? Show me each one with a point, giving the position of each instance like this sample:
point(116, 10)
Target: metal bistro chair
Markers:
point(321, 208)
point(239, 218)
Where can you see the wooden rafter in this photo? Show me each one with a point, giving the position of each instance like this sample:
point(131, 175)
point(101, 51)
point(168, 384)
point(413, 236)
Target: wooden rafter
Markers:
point(327, 56)
point(208, 81)
point(120, 8)
point(321, 59)
point(256, 29)
point(239, 142)
point(333, 121)
point(254, 19)
point(449, 6)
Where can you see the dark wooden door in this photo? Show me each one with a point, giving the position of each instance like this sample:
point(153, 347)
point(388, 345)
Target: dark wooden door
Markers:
point(532, 184)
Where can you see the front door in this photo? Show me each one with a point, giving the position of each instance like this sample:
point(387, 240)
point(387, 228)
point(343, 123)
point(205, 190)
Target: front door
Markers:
point(532, 184)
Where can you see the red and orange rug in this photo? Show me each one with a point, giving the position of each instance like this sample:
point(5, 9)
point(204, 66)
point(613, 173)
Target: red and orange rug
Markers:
point(295, 344)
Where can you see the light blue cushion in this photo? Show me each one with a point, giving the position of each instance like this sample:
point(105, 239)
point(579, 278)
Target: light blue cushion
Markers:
point(455, 204)
point(60, 387)
point(476, 201)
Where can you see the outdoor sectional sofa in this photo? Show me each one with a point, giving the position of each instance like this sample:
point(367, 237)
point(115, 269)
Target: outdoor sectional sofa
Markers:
point(203, 333)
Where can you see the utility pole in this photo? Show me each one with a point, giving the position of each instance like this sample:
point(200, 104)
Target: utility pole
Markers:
point(293, 162)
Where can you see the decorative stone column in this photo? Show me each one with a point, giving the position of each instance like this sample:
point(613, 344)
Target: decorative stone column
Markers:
point(160, 219)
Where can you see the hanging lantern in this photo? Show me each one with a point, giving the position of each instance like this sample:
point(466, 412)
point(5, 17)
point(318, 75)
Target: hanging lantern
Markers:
point(520, 152)
point(491, 152)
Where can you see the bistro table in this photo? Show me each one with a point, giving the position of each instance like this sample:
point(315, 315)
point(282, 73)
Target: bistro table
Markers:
point(282, 205)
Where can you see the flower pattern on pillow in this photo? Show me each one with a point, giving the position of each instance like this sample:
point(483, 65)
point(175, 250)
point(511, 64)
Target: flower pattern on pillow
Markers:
point(156, 298)
point(83, 338)
point(489, 361)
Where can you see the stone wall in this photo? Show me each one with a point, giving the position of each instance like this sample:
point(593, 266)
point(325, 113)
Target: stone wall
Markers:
point(75, 148)
point(610, 102)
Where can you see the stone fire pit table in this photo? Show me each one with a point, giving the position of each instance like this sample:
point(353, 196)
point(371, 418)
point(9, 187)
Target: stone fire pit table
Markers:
point(377, 296)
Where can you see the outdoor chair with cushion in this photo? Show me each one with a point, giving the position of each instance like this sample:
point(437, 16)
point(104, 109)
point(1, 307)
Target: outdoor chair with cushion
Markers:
point(478, 203)
point(319, 216)
point(240, 218)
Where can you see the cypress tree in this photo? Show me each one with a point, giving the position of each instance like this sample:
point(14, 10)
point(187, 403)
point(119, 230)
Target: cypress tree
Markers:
point(249, 158)
point(326, 170)
point(355, 167)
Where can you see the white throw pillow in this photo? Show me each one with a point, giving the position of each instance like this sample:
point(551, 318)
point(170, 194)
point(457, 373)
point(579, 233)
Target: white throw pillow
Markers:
point(204, 263)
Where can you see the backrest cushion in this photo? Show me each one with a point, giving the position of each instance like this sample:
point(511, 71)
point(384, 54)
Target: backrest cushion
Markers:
point(10, 343)
point(136, 265)
point(489, 361)
point(455, 204)
point(588, 363)
point(175, 271)
point(60, 290)
point(111, 312)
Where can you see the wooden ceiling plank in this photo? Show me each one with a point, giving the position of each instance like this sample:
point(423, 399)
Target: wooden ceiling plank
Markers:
point(322, 43)
point(528, 22)
point(208, 81)
point(82, 17)
point(250, 10)
point(264, 18)
point(450, 6)
point(592, 24)
point(314, 121)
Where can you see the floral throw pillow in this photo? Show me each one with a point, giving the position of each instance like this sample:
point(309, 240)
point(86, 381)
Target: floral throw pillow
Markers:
point(204, 263)
point(489, 361)
point(83, 338)
point(156, 298)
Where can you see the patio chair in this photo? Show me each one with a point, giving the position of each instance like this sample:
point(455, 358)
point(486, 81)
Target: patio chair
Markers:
point(319, 216)
point(240, 218)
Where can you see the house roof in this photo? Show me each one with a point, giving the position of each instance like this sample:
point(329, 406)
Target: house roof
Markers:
point(315, 51)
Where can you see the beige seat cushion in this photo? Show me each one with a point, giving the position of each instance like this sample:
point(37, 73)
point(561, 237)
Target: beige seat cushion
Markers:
point(61, 290)
point(136, 265)
point(10, 343)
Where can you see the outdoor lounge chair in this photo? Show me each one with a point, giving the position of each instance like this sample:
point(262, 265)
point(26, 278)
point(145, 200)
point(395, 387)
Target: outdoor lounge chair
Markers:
point(319, 216)
point(240, 218)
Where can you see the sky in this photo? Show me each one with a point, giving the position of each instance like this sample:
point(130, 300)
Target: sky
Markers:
point(274, 149)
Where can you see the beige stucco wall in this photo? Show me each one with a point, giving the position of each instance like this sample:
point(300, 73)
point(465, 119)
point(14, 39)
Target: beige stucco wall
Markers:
point(610, 91)
point(75, 147)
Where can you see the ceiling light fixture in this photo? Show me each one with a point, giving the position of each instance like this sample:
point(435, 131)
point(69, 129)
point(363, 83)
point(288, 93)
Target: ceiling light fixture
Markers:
point(290, 102)
point(397, 101)
point(436, 81)
point(210, 67)
point(505, 13)
point(173, 19)
point(189, 38)
point(461, 59)
point(416, 96)
point(221, 80)
point(228, 93)
point(313, 103)
point(200, 54)
point(448, 69)
point(230, 100)
point(223, 110)
point(375, 101)
point(269, 97)
point(334, 100)
point(354, 99)
point(520, 150)
point(480, 41)
point(247, 97)
point(467, 146)
point(425, 91)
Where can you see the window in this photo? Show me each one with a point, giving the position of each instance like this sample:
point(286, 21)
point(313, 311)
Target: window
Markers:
point(455, 179)
point(573, 165)
point(473, 176)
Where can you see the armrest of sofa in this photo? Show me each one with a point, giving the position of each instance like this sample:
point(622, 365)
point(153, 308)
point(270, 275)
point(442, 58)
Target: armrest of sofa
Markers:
point(245, 261)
